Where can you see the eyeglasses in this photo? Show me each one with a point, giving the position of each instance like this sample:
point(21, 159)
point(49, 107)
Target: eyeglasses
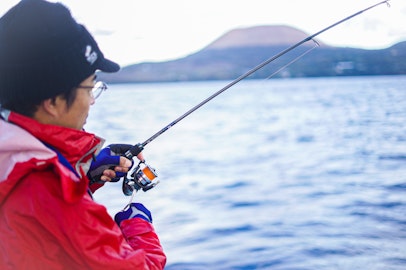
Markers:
point(97, 89)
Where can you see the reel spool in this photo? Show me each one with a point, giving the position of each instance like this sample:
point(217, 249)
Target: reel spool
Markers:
point(141, 177)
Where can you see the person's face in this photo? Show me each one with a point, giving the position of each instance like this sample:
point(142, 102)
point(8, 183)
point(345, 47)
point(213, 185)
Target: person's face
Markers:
point(75, 116)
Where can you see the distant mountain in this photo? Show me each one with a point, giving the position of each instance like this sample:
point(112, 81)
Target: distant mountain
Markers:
point(239, 50)
point(258, 36)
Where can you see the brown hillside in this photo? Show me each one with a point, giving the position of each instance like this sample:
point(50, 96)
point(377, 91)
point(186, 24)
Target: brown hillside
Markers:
point(259, 36)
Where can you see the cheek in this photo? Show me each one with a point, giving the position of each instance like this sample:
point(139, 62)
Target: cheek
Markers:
point(85, 101)
point(86, 107)
point(82, 107)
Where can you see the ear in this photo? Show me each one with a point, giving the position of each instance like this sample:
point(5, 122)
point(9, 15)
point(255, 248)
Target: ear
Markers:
point(52, 107)
point(49, 106)
point(50, 110)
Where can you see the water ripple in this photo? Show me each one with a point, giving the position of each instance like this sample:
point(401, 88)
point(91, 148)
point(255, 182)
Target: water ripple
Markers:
point(296, 174)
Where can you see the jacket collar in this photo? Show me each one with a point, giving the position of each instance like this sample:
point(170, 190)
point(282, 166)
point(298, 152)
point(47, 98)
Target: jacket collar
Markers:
point(75, 145)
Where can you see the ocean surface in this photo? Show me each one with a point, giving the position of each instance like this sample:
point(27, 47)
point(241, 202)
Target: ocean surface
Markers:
point(271, 174)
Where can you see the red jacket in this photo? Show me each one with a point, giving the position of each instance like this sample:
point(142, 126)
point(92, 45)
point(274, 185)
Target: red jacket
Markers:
point(48, 220)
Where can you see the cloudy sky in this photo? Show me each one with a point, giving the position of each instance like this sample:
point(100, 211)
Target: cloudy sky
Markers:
point(132, 31)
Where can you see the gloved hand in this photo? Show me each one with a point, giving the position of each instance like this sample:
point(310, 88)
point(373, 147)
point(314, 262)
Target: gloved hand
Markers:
point(133, 210)
point(108, 158)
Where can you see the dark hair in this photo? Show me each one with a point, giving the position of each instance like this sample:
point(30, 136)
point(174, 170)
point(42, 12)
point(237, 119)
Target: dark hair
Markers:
point(29, 107)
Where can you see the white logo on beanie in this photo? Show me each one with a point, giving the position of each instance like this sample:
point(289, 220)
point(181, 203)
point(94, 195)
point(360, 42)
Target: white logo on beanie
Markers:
point(91, 57)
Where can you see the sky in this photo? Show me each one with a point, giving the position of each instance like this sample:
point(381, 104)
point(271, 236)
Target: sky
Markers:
point(134, 31)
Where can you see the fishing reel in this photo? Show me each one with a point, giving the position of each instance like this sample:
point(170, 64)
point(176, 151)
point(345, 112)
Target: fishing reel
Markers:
point(139, 177)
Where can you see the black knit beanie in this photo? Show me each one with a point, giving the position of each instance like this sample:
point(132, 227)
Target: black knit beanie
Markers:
point(44, 52)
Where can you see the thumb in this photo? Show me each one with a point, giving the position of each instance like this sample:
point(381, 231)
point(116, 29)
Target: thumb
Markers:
point(125, 162)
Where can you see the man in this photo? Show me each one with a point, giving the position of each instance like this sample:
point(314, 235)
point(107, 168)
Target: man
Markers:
point(48, 219)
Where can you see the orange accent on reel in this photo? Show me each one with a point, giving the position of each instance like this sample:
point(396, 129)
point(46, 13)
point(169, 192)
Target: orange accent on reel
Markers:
point(149, 173)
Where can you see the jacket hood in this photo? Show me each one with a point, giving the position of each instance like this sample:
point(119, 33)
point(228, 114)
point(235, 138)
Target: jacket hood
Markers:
point(26, 149)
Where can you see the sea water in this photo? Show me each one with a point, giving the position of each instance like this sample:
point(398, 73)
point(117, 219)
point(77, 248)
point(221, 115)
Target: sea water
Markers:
point(272, 174)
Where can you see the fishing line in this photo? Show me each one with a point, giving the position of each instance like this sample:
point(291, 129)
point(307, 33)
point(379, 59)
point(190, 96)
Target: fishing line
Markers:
point(294, 60)
point(144, 178)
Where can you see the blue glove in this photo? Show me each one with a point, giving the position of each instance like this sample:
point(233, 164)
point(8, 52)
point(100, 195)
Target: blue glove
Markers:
point(132, 211)
point(108, 158)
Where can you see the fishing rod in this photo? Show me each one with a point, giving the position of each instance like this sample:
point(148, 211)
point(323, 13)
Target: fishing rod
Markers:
point(142, 176)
